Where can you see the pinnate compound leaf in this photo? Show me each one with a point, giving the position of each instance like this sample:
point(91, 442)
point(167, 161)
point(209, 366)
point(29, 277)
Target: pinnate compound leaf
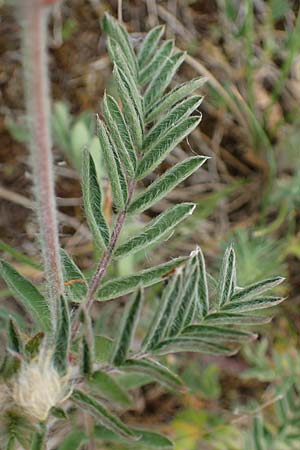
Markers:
point(124, 285)
point(107, 387)
point(117, 32)
point(73, 441)
point(62, 344)
point(164, 184)
point(226, 277)
point(256, 289)
point(127, 329)
point(156, 229)
point(162, 79)
point(92, 200)
point(159, 58)
point(150, 44)
point(147, 439)
point(119, 133)
point(174, 96)
point(114, 171)
point(178, 113)
point(105, 417)
point(156, 154)
point(74, 280)
point(154, 369)
point(31, 298)
point(163, 315)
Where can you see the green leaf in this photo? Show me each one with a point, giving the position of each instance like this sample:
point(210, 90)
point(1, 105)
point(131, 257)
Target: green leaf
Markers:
point(162, 79)
point(159, 152)
point(87, 358)
point(124, 285)
point(159, 58)
point(162, 317)
point(256, 289)
point(62, 344)
point(103, 349)
point(105, 417)
point(178, 113)
point(133, 380)
point(113, 169)
point(253, 305)
point(58, 413)
point(107, 387)
point(33, 345)
point(119, 133)
point(150, 44)
point(92, 200)
point(182, 307)
point(226, 277)
point(75, 282)
point(153, 368)
point(14, 337)
point(127, 329)
point(156, 229)
point(117, 57)
point(118, 32)
point(164, 184)
point(129, 107)
point(73, 441)
point(27, 293)
point(227, 318)
point(38, 441)
point(218, 334)
point(147, 439)
point(171, 98)
point(191, 344)
point(202, 295)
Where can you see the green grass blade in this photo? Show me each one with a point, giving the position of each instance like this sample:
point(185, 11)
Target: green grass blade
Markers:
point(124, 285)
point(28, 294)
point(127, 329)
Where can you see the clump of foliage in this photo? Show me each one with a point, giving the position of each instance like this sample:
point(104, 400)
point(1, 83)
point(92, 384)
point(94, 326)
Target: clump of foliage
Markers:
point(56, 369)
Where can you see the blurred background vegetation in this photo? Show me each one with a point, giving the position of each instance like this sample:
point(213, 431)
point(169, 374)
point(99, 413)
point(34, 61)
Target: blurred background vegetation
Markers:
point(248, 193)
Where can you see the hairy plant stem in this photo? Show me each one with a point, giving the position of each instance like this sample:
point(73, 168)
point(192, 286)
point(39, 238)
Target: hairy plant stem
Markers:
point(33, 17)
point(103, 265)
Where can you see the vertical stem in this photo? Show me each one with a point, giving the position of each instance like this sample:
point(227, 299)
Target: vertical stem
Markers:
point(34, 24)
